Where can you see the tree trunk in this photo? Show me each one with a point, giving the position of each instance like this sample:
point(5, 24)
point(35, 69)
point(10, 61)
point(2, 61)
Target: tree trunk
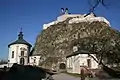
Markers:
point(111, 72)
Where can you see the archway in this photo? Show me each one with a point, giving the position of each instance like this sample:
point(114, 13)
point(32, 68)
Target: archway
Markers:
point(22, 60)
point(62, 66)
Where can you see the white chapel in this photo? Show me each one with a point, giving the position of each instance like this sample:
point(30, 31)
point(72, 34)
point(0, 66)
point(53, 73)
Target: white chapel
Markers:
point(19, 51)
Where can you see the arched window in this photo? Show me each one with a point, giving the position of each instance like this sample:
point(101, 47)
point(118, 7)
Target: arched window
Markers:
point(12, 54)
point(22, 61)
point(22, 53)
point(34, 59)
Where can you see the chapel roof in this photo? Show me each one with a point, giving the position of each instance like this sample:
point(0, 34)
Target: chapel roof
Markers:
point(20, 40)
point(79, 52)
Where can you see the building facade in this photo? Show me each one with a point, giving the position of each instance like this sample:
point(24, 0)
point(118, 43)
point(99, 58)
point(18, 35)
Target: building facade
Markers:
point(19, 51)
point(76, 18)
point(80, 59)
point(34, 60)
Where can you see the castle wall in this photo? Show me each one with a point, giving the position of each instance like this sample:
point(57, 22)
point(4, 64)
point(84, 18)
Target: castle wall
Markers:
point(76, 19)
point(89, 19)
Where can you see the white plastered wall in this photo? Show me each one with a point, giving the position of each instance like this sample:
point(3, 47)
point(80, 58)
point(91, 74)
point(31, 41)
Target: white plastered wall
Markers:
point(17, 53)
point(74, 63)
point(32, 58)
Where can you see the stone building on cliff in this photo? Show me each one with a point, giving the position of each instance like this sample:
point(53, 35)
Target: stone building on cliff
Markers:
point(53, 42)
point(20, 50)
point(76, 18)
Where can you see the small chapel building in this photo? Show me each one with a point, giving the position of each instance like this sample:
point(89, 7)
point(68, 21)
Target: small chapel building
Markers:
point(20, 52)
point(80, 59)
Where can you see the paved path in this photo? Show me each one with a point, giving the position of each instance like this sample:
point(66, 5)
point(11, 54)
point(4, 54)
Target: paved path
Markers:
point(62, 76)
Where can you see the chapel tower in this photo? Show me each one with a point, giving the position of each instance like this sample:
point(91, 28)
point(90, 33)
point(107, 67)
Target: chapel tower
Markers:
point(19, 51)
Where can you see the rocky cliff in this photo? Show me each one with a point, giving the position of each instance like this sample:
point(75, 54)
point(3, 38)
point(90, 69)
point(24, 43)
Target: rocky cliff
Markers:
point(55, 42)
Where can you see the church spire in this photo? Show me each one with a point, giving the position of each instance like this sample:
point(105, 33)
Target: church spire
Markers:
point(21, 29)
point(20, 35)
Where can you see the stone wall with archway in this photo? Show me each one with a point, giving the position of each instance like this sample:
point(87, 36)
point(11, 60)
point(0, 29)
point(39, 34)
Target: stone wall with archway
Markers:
point(62, 66)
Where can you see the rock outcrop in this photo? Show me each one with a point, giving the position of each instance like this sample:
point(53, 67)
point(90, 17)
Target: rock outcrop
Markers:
point(55, 43)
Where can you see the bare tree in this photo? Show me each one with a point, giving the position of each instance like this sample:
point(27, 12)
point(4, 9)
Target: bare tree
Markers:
point(105, 52)
point(103, 48)
point(95, 3)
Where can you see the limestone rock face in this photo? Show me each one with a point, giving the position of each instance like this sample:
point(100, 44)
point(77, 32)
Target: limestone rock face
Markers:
point(55, 43)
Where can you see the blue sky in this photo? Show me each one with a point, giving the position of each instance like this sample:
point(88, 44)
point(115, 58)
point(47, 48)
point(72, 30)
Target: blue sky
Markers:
point(32, 14)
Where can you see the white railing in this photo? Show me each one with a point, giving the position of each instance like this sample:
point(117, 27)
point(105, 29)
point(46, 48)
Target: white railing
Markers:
point(77, 20)
point(7, 65)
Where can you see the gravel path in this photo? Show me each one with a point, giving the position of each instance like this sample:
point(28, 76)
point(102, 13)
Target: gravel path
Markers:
point(62, 76)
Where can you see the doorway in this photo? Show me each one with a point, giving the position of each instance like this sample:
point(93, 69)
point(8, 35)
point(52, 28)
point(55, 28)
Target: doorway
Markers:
point(62, 66)
point(22, 60)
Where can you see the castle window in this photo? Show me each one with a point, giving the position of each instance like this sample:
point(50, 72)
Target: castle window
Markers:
point(34, 60)
point(22, 53)
point(89, 63)
point(12, 54)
